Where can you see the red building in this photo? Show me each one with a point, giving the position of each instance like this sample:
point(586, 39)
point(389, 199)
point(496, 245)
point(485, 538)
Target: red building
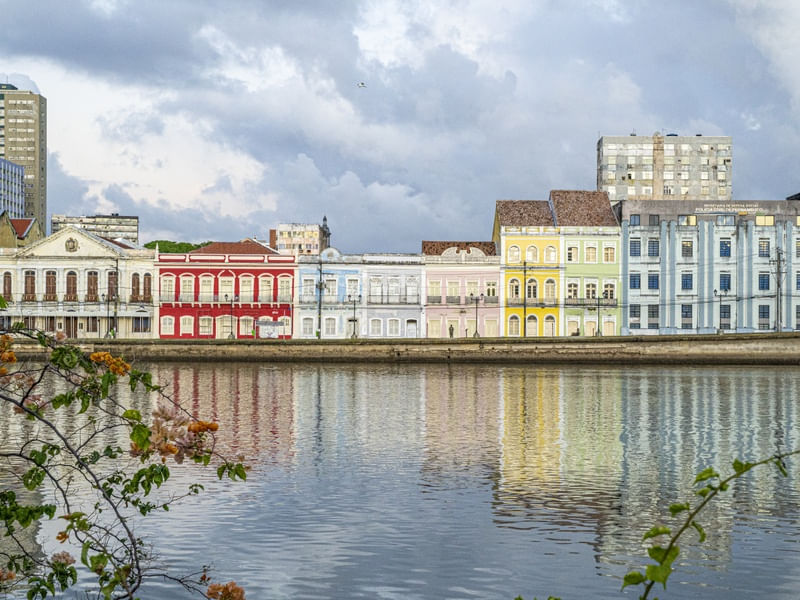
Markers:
point(226, 290)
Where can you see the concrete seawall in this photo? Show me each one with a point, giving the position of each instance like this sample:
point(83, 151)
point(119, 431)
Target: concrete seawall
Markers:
point(729, 349)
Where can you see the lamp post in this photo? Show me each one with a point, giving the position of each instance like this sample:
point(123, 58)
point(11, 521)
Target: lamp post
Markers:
point(230, 335)
point(720, 294)
point(476, 299)
point(355, 300)
point(108, 316)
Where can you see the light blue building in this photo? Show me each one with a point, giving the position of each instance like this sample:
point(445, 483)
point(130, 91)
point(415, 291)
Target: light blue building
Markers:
point(12, 189)
point(358, 295)
point(703, 267)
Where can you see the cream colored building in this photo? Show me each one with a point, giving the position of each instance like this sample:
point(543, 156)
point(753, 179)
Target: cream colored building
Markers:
point(23, 140)
point(301, 239)
point(113, 226)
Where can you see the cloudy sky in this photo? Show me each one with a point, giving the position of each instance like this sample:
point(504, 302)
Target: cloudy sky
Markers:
point(219, 119)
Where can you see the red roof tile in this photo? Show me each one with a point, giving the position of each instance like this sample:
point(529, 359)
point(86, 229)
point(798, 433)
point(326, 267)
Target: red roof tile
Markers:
point(524, 213)
point(21, 226)
point(576, 208)
point(247, 246)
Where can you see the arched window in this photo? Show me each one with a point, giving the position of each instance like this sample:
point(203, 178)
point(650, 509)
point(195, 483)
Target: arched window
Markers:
point(532, 254)
point(30, 286)
point(50, 286)
point(135, 287)
point(609, 254)
point(7, 289)
point(608, 291)
point(572, 290)
point(550, 290)
point(513, 326)
point(91, 286)
point(206, 289)
point(513, 289)
point(531, 326)
point(550, 254)
point(167, 326)
point(187, 288)
point(513, 254)
point(550, 326)
point(147, 294)
point(72, 287)
point(167, 288)
point(113, 288)
point(532, 289)
point(187, 325)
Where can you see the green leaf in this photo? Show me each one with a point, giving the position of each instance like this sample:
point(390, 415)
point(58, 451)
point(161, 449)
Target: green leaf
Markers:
point(632, 578)
point(140, 435)
point(240, 471)
point(704, 491)
point(706, 474)
point(132, 415)
point(659, 573)
point(700, 530)
point(741, 467)
point(656, 531)
point(781, 467)
point(674, 509)
point(221, 470)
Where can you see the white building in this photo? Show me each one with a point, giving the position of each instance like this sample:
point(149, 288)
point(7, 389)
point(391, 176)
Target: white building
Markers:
point(670, 167)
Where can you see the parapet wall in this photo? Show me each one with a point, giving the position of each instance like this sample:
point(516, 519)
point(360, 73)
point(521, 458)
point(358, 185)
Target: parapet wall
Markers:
point(729, 349)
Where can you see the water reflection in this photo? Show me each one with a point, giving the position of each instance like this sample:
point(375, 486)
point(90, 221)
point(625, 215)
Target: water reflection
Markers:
point(460, 481)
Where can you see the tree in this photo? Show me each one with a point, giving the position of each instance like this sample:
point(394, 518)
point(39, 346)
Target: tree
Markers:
point(168, 247)
point(99, 488)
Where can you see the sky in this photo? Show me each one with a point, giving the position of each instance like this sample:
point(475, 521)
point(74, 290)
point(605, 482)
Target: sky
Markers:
point(217, 120)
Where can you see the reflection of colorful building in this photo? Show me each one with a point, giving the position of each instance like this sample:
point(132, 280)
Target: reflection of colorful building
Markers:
point(527, 238)
point(226, 290)
point(462, 280)
point(591, 259)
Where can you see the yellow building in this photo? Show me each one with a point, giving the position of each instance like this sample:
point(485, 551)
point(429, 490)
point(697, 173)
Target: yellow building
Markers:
point(528, 242)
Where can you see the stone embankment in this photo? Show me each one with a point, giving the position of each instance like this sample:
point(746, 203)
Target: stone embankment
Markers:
point(728, 349)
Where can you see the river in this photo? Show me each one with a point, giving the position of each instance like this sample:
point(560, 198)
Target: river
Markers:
point(412, 482)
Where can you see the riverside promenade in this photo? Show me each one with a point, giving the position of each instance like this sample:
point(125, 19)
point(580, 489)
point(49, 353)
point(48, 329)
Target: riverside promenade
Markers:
point(725, 349)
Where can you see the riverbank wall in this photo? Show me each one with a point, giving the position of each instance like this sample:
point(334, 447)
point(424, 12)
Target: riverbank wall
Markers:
point(726, 349)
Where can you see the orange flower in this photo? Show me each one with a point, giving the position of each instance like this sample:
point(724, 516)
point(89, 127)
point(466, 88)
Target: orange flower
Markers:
point(202, 426)
point(62, 536)
point(8, 357)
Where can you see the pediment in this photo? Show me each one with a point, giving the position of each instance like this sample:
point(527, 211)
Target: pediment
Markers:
point(71, 242)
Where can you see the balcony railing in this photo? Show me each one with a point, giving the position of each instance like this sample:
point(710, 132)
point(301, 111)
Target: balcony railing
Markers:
point(435, 299)
point(396, 299)
point(70, 297)
point(453, 299)
point(491, 299)
point(50, 298)
point(166, 298)
point(29, 297)
point(284, 298)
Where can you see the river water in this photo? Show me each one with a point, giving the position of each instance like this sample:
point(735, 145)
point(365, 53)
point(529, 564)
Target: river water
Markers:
point(412, 482)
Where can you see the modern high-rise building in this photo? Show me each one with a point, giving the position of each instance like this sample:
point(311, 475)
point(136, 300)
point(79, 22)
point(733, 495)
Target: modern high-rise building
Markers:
point(12, 189)
point(23, 140)
point(665, 167)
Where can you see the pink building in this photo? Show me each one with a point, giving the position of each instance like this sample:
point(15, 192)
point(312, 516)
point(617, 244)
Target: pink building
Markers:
point(463, 283)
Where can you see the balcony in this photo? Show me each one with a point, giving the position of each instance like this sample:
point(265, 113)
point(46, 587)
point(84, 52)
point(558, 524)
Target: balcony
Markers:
point(435, 299)
point(453, 299)
point(70, 297)
point(91, 298)
point(186, 298)
point(50, 298)
point(515, 301)
point(29, 297)
point(491, 300)
point(284, 298)
point(166, 298)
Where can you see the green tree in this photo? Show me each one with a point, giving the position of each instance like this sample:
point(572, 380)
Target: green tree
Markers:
point(117, 484)
point(168, 247)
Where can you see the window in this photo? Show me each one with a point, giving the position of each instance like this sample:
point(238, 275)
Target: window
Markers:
point(246, 285)
point(686, 281)
point(763, 281)
point(434, 291)
point(549, 290)
point(635, 219)
point(765, 220)
point(206, 289)
point(724, 316)
point(394, 327)
point(307, 327)
point(147, 293)
point(652, 281)
point(763, 316)
point(652, 247)
point(687, 220)
point(284, 289)
point(635, 281)
point(453, 292)
point(635, 311)
point(726, 220)
point(572, 289)
point(686, 316)
point(591, 291)
point(532, 254)
point(725, 247)
point(187, 325)
point(206, 325)
point(7, 286)
point(491, 288)
point(636, 247)
point(572, 254)
point(609, 291)
point(375, 327)
point(590, 254)
point(513, 254)
point(247, 326)
point(763, 248)
point(652, 220)
point(167, 326)
point(91, 286)
point(187, 288)
point(50, 285)
point(532, 289)
point(797, 249)
point(330, 326)
point(652, 316)
point(797, 280)
point(30, 286)
point(531, 326)
point(135, 287)
point(113, 289)
point(550, 254)
point(265, 293)
point(513, 326)
point(687, 248)
point(609, 254)
point(513, 289)
point(724, 281)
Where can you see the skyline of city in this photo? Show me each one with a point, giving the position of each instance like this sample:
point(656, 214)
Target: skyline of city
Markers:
point(209, 130)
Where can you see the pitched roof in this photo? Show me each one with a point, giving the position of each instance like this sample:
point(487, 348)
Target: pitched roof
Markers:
point(524, 213)
point(21, 226)
point(437, 248)
point(575, 208)
point(246, 246)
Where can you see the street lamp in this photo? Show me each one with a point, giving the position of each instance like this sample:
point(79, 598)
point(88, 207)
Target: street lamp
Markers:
point(355, 300)
point(476, 299)
point(230, 335)
point(720, 294)
point(108, 316)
